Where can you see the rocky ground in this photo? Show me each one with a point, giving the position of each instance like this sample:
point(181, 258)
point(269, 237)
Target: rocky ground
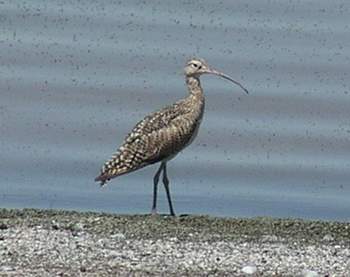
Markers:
point(51, 243)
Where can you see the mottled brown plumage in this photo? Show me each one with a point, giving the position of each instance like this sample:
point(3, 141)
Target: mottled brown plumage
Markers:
point(163, 134)
point(156, 137)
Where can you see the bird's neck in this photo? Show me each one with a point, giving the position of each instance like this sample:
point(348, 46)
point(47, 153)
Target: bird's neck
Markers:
point(194, 86)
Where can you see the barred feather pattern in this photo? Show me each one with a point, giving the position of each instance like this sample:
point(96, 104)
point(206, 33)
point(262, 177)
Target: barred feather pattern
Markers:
point(159, 136)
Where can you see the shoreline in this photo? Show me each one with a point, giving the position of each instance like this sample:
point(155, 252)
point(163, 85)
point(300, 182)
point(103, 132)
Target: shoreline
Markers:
point(49, 242)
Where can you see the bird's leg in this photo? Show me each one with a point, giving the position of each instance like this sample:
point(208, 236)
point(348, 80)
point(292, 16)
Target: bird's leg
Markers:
point(166, 186)
point(155, 188)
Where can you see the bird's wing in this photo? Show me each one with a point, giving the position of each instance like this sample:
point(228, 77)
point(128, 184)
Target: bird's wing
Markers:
point(160, 119)
point(149, 141)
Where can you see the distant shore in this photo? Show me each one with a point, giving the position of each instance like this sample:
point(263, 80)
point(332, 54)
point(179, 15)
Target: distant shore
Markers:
point(50, 242)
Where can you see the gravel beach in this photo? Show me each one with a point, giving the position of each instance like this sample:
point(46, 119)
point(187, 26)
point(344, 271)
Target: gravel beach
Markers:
point(61, 243)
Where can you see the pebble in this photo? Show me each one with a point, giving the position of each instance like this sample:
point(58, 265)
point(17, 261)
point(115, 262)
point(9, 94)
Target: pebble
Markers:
point(328, 237)
point(118, 236)
point(249, 269)
point(6, 268)
point(309, 273)
point(3, 226)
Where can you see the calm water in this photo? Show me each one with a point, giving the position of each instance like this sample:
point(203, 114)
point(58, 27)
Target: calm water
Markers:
point(77, 75)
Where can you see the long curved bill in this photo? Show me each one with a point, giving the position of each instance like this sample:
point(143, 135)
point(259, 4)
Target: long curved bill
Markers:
point(218, 73)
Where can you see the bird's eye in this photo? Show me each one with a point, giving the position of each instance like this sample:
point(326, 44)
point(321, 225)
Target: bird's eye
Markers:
point(194, 65)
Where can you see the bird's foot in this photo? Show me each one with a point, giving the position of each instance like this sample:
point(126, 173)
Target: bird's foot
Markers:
point(154, 211)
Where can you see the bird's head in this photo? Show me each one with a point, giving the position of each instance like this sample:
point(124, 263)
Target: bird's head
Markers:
point(196, 67)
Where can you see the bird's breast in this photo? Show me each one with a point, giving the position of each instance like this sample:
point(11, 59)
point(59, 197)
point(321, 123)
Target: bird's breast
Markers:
point(195, 131)
point(177, 133)
point(186, 129)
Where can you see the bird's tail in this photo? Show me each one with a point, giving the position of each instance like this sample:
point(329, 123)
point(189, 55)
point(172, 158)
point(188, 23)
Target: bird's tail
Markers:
point(110, 169)
point(102, 178)
point(118, 164)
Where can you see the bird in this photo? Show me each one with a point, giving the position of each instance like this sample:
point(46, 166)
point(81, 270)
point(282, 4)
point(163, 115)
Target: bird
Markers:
point(161, 135)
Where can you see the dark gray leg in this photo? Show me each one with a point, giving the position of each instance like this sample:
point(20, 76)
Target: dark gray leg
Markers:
point(155, 188)
point(166, 186)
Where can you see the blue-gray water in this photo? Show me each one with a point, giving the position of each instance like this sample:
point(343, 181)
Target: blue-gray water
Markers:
point(75, 76)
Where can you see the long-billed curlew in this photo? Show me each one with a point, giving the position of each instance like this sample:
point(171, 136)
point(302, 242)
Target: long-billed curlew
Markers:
point(160, 136)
